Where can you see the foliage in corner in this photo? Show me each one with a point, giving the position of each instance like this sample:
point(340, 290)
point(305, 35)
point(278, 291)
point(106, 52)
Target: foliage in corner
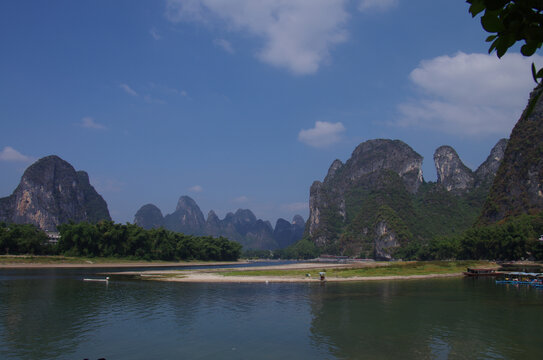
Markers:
point(510, 21)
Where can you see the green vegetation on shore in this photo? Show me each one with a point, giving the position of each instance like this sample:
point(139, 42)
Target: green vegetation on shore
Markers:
point(107, 239)
point(23, 239)
point(377, 269)
point(382, 198)
point(511, 239)
point(302, 249)
point(79, 260)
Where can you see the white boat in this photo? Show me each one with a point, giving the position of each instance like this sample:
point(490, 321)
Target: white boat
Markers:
point(100, 280)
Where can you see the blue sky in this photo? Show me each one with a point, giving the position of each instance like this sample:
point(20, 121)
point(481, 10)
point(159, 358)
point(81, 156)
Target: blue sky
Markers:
point(243, 103)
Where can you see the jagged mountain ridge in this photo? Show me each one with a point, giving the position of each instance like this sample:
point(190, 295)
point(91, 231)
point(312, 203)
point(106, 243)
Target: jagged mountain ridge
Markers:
point(241, 226)
point(378, 200)
point(52, 192)
point(187, 217)
point(372, 157)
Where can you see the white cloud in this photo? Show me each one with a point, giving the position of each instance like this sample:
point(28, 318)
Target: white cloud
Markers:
point(89, 123)
point(469, 94)
point(154, 33)
point(224, 44)
point(241, 199)
point(151, 100)
point(127, 89)
point(196, 189)
point(297, 34)
point(378, 5)
point(322, 135)
point(166, 90)
point(12, 155)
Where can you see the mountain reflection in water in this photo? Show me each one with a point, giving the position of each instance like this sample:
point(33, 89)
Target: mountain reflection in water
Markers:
point(58, 316)
point(430, 319)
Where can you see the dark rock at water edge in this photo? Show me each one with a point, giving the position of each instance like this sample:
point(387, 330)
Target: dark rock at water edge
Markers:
point(50, 193)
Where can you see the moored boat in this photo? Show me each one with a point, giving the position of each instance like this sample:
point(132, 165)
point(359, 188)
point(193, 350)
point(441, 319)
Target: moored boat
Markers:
point(521, 278)
point(98, 280)
point(480, 272)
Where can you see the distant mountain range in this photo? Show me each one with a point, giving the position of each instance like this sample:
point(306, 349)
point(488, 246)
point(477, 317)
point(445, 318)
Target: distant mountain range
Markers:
point(52, 192)
point(241, 226)
point(372, 205)
point(378, 203)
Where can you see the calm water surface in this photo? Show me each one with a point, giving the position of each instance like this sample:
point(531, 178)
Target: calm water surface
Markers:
point(52, 314)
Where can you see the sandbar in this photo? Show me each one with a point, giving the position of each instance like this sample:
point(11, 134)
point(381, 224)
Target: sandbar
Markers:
point(218, 275)
point(217, 278)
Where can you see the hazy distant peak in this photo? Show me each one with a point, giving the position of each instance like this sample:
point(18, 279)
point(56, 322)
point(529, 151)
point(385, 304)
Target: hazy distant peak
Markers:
point(298, 220)
point(245, 215)
point(186, 202)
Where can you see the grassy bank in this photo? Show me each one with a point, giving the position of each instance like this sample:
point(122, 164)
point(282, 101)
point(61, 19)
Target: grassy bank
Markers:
point(52, 259)
point(376, 269)
point(58, 261)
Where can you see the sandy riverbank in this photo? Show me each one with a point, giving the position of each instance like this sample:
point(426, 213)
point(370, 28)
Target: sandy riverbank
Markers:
point(228, 275)
point(293, 266)
point(218, 278)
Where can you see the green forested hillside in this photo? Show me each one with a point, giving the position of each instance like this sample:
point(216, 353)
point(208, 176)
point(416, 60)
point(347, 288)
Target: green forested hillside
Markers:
point(513, 239)
point(518, 186)
point(419, 217)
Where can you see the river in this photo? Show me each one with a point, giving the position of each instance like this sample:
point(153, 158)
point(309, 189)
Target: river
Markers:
point(53, 314)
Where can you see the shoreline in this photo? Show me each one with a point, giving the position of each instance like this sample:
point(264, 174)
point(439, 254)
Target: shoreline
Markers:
point(217, 278)
point(299, 272)
point(279, 274)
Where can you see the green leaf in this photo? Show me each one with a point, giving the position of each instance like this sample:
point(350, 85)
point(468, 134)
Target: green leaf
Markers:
point(503, 43)
point(491, 38)
point(536, 74)
point(528, 49)
point(493, 46)
point(492, 5)
point(491, 22)
point(501, 51)
point(476, 7)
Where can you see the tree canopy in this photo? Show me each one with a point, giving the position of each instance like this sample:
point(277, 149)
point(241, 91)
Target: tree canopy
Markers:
point(511, 21)
point(108, 239)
